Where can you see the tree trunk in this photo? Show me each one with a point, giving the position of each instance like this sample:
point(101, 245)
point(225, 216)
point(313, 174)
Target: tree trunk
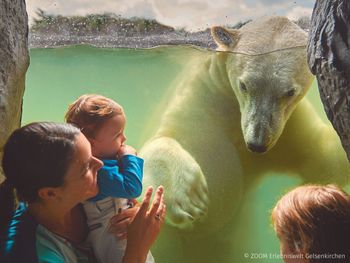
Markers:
point(329, 59)
point(14, 61)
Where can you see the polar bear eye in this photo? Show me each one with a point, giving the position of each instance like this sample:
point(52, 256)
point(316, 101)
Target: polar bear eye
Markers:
point(242, 86)
point(290, 93)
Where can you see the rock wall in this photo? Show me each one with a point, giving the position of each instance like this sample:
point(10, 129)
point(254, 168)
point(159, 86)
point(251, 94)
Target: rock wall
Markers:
point(14, 61)
point(329, 59)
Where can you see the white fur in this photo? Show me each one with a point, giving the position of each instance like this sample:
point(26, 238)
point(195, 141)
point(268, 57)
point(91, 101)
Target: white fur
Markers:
point(199, 152)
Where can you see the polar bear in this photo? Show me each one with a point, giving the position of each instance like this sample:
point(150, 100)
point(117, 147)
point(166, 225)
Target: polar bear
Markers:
point(236, 114)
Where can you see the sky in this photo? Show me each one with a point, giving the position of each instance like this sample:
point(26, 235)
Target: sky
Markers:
point(190, 14)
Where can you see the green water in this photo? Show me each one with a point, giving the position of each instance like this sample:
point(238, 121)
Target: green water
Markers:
point(139, 80)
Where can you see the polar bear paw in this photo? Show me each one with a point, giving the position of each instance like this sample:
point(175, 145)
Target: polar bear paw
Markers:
point(185, 187)
point(189, 201)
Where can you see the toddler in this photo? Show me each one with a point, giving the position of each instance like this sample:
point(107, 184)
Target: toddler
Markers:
point(102, 121)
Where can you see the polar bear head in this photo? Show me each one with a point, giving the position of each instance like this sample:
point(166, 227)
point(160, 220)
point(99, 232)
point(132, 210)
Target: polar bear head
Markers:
point(267, 69)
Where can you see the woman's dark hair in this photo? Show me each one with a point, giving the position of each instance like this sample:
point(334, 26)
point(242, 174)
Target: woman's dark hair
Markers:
point(35, 156)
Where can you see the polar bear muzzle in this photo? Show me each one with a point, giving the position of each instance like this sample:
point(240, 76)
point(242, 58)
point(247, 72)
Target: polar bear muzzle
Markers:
point(262, 123)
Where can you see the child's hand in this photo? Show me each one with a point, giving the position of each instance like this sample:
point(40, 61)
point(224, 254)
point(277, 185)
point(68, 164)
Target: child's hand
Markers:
point(126, 149)
point(119, 223)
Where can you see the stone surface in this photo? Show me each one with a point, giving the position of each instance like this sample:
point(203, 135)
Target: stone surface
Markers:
point(329, 59)
point(14, 61)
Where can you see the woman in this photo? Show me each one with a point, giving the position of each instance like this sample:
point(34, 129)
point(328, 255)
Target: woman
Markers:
point(51, 168)
point(312, 223)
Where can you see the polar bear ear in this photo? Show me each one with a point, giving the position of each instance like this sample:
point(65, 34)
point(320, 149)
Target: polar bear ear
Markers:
point(225, 39)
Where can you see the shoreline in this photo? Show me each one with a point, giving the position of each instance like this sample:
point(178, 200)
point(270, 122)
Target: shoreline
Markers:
point(201, 39)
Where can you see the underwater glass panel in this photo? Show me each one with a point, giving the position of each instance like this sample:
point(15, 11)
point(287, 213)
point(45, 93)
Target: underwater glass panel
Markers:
point(118, 49)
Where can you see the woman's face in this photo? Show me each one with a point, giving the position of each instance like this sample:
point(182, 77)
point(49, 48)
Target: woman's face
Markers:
point(80, 181)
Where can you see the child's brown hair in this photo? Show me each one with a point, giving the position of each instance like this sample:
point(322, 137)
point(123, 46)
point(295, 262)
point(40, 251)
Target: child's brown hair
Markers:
point(314, 219)
point(90, 111)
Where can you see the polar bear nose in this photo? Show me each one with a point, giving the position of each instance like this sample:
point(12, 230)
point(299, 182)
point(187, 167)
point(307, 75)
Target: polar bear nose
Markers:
point(258, 148)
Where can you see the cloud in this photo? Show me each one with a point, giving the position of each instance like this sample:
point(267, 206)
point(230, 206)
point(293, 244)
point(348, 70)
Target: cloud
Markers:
point(191, 14)
point(308, 3)
point(200, 14)
point(298, 12)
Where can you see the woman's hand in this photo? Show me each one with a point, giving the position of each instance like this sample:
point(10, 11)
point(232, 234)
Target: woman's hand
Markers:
point(145, 227)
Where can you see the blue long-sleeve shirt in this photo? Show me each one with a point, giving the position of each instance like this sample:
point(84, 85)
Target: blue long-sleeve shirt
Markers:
point(120, 178)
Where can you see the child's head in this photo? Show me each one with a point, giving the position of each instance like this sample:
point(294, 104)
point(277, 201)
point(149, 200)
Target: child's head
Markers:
point(313, 219)
point(101, 120)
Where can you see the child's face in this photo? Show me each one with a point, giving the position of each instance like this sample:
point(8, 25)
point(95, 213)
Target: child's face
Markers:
point(109, 137)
